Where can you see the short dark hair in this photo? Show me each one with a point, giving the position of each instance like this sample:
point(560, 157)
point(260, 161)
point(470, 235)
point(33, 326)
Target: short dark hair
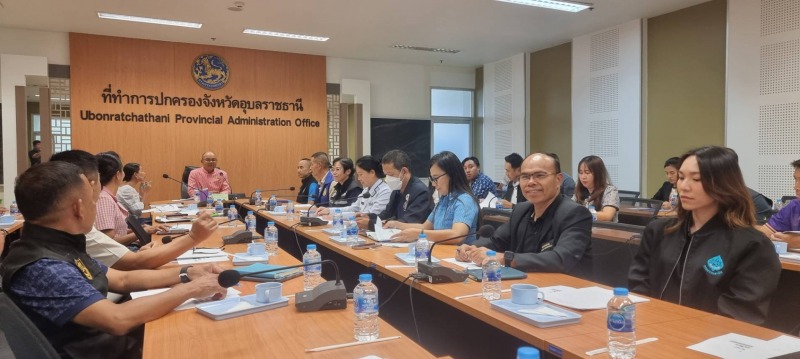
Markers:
point(556, 160)
point(40, 188)
point(113, 153)
point(347, 164)
point(36, 142)
point(322, 157)
point(85, 160)
point(108, 165)
point(473, 159)
point(305, 159)
point(796, 164)
point(130, 169)
point(369, 163)
point(514, 159)
point(673, 161)
point(396, 158)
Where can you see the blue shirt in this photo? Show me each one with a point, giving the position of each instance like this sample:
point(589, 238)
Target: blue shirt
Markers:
point(55, 290)
point(456, 209)
point(482, 186)
point(323, 196)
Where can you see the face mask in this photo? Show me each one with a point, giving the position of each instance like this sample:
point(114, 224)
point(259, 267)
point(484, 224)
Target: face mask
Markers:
point(394, 183)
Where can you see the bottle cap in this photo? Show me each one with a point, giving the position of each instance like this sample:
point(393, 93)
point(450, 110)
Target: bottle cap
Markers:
point(337, 210)
point(233, 206)
point(620, 291)
point(270, 224)
point(527, 353)
point(423, 236)
point(249, 212)
point(311, 246)
point(365, 277)
point(491, 253)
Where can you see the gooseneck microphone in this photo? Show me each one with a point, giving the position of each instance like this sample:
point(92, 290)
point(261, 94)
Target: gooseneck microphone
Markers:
point(309, 221)
point(326, 296)
point(187, 185)
point(253, 199)
point(435, 273)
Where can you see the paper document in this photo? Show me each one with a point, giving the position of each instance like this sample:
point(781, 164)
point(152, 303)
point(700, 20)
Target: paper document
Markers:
point(382, 234)
point(202, 260)
point(490, 201)
point(554, 289)
point(586, 298)
point(730, 346)
point(465, 265)
point(165, 208)
point(189, 304)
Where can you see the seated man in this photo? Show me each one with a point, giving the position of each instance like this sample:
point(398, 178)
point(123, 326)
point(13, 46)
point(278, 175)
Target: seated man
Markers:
point(308, 184)
point(208, 177)
point(549, 233)
point(111, 253)
point(481, 184)
point(321, 170)
point(409, 202)
point(513, 194)
point(62, 290)
point(568, 184)
point(788, 218)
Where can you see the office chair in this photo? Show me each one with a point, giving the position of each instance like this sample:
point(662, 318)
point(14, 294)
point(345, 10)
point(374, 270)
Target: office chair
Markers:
point(628, 194)
point(138, 230)
point(185, 180)
point(494, 217)
point(19, 335)
point(787, 199)
point(638, 211)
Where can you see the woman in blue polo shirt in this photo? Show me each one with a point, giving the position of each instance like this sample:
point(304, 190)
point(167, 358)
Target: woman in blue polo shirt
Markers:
point(456, 214)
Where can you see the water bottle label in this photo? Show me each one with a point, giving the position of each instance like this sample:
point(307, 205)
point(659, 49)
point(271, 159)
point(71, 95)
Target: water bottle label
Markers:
point(493, 275)
point(352, 231)
point(366, 304)
point(316, 267)
point(621, 321)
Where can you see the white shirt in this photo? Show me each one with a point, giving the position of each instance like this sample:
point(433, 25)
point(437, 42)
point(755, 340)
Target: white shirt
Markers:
point(514, 193)
point(379, 195)
point(104, 248)
point(130, 199)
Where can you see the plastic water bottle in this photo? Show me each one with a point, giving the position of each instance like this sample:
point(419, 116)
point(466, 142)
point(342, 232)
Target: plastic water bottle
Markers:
point(491, 276)
point(421, 249)
point(673, 198)
point(621, 322)
point(233, 214)
point(290, 211)
point(250, 222)
point(13, 209)
point(257, 196)
point(312, 274)
point(337, 220)
point(271, 238)
point(219, 208)
point(273, 202)
point(209, 202)
point(775, 207)
point(197, 197)
point(352, 230)
point(527, 353)
point(498, 203)
point(594, 213)
point(365, 300)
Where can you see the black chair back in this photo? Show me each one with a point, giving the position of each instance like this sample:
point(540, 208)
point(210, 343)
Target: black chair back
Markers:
point(494, 217)
point(638, 211)
point(628, 194)
point(186, 170)
point(786, 199)
point(18, 334)
point(138, 230)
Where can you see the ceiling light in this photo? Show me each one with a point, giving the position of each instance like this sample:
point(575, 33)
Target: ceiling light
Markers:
point(421, 48)
point(562, 5)
point(148, 20)
point(286, 35)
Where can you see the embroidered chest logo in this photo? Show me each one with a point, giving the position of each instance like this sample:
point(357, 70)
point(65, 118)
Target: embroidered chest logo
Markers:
point(83, 269)
point(714, 265)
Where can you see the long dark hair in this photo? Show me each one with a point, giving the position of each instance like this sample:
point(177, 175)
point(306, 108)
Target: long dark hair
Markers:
point(600, 175)
point(722, 180)
point(369, 163)
point(449, 163)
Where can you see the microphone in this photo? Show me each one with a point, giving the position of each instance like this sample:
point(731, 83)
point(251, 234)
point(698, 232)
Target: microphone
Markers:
point(187, 185)
point(436, 273)
point(253, 199)
point(326, 296)
point(309, 221)
point(169, 239)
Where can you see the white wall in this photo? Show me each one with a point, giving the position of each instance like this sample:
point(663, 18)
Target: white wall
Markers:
point(395, 90)
point(504, 120)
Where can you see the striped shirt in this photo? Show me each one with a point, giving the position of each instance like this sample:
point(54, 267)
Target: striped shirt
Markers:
point(216, 181)
point(110, 214)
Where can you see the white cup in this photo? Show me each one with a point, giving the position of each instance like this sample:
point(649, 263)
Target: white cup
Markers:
point(268, 292)
point(781, 247)
point(526, 294)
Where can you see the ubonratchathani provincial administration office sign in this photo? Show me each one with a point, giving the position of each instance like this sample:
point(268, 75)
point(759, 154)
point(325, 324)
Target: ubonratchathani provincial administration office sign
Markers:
point(209, 72)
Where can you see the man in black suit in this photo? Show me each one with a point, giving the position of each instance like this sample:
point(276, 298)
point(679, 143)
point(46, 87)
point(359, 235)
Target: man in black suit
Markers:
point(549, 233)
point(513, 194)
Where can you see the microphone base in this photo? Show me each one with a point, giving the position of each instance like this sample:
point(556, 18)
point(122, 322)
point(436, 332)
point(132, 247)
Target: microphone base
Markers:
point(435, 273)
point(326, 296)
point(312, 221)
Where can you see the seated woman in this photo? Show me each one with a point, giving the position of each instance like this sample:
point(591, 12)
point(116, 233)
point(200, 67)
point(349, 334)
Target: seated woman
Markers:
point(456, 213)
point(671, 171)
point(110, 213)
point(134, 189)
point(710, 257)
point(347, 189)
point(594, 188)
point(376, 193)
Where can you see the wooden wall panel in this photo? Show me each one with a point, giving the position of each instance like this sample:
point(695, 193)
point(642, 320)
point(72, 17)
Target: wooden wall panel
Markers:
point(254, 156)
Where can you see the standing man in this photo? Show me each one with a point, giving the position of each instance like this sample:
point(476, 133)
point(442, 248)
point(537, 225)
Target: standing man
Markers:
point(514, 194)
point(308, 184)
point(549, 233)
point(35, 155)
point(209, 176)
point(480, 183)
point(409, 202)
point(321, 170)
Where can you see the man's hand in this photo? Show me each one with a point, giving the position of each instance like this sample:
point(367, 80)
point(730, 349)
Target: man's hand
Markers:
point(147, 246)
point(477, 255)
point(200, 270)
point(156, 228)
point(462, 252)
point(362, 219)
point(203, 228)
point(207, 287)
point(793, 239)
point(323, 211)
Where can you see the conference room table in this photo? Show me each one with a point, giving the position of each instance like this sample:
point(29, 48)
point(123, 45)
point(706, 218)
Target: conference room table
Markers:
point(675, 326)
point(278, 333)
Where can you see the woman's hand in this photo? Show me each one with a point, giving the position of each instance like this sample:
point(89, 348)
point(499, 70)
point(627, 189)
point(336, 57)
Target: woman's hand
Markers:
point(323, 211)
point(406, 235)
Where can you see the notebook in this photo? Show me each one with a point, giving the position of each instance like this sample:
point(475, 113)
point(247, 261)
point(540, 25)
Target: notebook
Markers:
point(277, 276)
point(505, 273)
point(381, 234)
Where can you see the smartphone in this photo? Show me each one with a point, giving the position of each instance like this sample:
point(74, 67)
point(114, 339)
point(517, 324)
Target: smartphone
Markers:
point(366, 245)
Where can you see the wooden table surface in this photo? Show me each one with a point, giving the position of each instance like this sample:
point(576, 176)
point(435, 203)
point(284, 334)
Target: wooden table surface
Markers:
point(277, 333)
point(655, 318)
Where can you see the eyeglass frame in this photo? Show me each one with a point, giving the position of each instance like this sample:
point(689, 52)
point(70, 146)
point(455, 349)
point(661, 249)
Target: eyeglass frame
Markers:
point(436, 179)
point(536, 176)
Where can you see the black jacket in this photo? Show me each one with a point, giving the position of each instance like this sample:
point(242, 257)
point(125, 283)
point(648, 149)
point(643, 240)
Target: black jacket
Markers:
point(345, 194)
point(510, 191)
point(565, 244)
point(731, 272)
point(412, 206)
point(302, 194)
point(664, 192)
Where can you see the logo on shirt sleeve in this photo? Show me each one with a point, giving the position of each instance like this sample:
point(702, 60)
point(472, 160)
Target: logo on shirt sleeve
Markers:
point(83, 269)
point(714, 265)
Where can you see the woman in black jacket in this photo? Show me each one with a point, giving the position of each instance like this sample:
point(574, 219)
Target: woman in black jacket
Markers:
point(347, 189)
point(710, 257)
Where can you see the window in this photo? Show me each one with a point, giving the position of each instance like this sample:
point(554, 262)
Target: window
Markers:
point(451, 118)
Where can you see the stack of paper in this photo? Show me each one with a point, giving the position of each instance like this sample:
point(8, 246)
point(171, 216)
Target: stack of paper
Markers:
point(490, 201)
point(194, 256)
point(164, 208)
point(586, 298)
point(382, 234)
point(189, 304)
point(735, 346)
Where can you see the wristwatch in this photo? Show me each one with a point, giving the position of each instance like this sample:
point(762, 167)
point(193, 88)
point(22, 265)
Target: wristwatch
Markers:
point(508, 257)
point(184, 276)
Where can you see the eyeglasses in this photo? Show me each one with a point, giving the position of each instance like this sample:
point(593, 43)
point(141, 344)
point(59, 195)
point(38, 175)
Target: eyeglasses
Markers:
point(209, 160)
point(537, 177)
point(435, 179)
